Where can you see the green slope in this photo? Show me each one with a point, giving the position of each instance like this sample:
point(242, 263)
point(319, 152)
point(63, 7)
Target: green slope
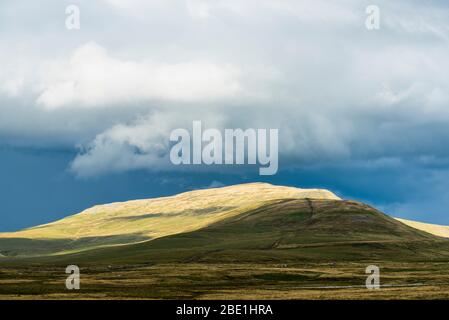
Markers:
point(243, 223)
point(287, 230)
point(148, 219)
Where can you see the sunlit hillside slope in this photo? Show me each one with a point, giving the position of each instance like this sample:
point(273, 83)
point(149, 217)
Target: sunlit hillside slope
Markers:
point(142, 220)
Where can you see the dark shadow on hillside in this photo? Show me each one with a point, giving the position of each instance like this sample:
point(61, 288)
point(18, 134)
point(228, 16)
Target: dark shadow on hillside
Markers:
point(13, 247)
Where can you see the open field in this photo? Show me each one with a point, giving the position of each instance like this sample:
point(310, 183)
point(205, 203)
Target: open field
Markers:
point(229, 281)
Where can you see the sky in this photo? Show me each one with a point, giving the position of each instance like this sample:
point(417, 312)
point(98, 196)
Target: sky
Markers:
point(86, 114)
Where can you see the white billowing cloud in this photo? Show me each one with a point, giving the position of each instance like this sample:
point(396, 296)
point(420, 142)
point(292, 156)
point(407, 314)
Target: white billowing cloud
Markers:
point(92, 77)
point(142, 144)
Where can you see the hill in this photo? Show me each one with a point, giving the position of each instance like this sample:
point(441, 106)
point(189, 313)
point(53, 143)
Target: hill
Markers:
point(142, 220)
point(255, 222)
point(285, 231)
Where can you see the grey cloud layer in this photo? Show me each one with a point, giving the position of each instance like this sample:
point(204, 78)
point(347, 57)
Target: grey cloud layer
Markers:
point(336, 91)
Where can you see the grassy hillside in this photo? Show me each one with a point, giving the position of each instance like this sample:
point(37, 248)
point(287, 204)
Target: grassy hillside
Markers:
point(244, 223)
point(141, 220)
point(283, 231)
point(435, 229)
